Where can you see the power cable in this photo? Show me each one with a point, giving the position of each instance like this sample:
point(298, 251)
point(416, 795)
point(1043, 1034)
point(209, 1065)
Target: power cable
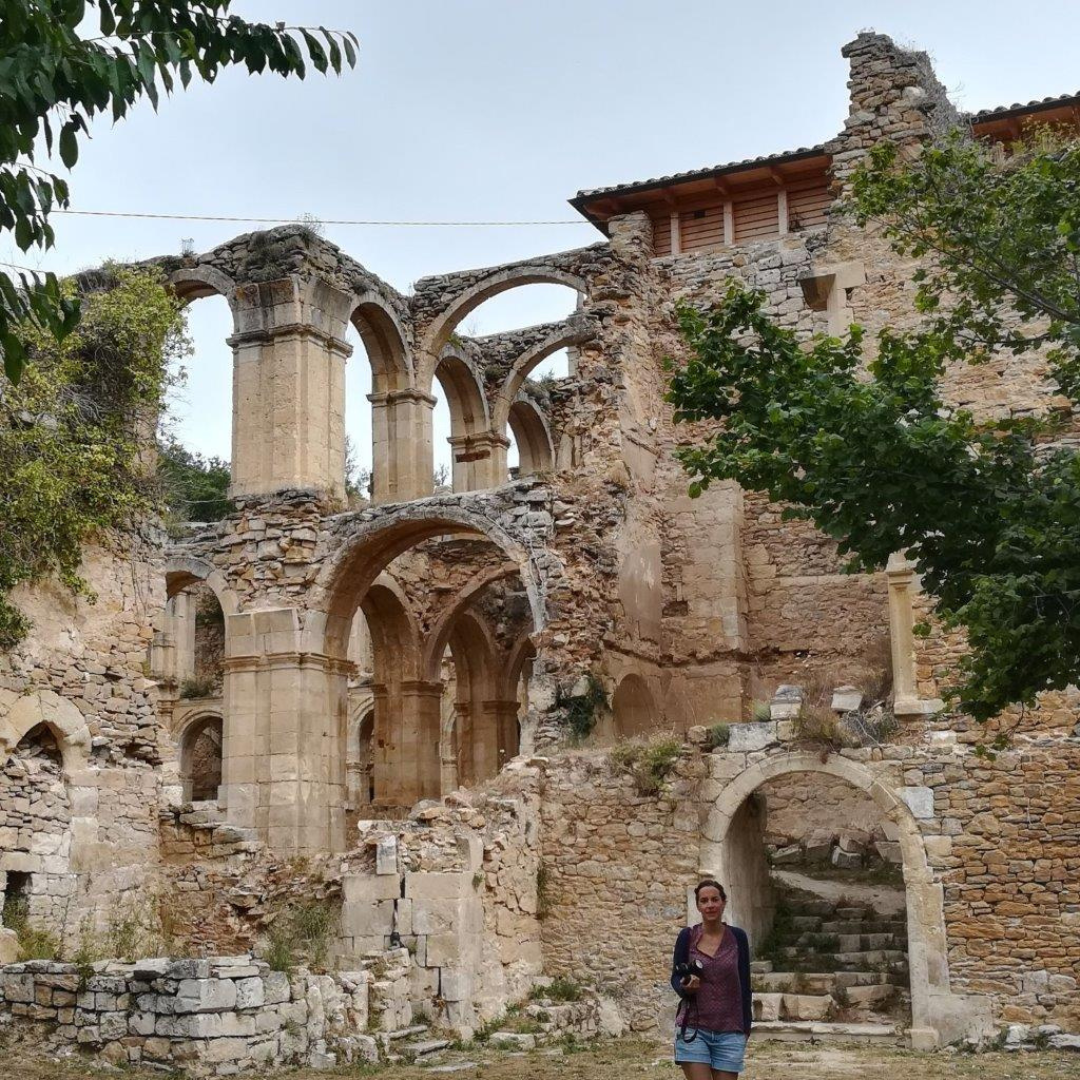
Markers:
point(318, 221)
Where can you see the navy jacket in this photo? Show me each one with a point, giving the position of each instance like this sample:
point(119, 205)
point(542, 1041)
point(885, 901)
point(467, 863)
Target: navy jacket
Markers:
point(682, 955)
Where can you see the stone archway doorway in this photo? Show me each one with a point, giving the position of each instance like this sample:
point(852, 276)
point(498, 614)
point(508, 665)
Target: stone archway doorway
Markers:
point(938, 1016)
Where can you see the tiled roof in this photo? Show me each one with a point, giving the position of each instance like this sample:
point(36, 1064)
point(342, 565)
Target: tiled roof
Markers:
point(694, 174)
point(1038, 103)
point(768, 159)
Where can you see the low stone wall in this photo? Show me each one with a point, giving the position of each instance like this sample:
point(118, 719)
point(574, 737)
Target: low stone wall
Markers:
point(211, 1017)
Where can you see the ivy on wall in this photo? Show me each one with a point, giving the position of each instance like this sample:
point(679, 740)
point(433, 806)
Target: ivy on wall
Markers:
point(75, 431)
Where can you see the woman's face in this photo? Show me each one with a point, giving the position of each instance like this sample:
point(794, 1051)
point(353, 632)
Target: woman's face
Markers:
point(710, 903)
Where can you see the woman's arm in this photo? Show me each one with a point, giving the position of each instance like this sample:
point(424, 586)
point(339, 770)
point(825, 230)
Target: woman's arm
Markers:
point(682, 953)
point(744, 979)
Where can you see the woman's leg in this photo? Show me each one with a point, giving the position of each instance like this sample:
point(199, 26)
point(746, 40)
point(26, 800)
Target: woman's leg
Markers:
point(697, 1070)
point(721, 1075)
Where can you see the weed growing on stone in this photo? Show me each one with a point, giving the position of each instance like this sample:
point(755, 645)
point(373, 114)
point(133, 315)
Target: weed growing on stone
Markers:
point(34, 942)
point(543, 890)
point(302, 931)
point(559, 989)
point(649, 763)
point(580, 711)
point(717, 736)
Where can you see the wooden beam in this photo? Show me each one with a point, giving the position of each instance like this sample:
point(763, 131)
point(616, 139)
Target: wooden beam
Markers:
point(676, 236)
point(782, 211)
point(729, 223)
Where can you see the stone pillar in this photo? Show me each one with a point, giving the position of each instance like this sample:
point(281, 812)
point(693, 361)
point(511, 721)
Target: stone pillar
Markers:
point(479, 461)
point(903, 587)
point(289, 353)
point(402, 455)
point(407, 733)
point(283, 749)
point(506, 713)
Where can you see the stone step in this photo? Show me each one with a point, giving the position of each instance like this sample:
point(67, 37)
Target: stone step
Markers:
point(792, 1031)
point(864, 926)
point(866, 997)
point(816, 982)
point(423, 1048)
point(807, 922)
point(852, 959)
point(407, 1033)
point(760, 967)
point(771, 1007)
point(847, 942)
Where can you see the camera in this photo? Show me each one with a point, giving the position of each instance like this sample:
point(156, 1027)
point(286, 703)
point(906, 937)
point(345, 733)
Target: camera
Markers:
point(688, 970)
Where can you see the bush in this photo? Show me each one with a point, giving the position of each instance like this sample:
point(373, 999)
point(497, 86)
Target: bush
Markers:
point(199, 686)
point(649, 763)
point(580, 710)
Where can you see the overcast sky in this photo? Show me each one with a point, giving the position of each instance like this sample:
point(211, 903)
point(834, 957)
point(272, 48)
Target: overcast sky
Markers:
point(501, 109)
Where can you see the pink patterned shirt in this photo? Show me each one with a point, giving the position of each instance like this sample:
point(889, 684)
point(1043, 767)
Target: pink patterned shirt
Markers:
point(717, 1005)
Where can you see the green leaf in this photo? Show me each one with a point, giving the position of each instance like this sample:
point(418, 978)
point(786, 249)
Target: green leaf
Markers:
point(69, 146)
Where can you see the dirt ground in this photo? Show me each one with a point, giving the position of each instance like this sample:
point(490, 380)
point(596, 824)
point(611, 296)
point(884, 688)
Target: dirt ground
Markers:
point(634, 1059)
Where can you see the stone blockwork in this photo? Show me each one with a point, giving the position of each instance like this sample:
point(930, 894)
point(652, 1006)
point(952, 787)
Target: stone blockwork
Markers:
point(209, 1017)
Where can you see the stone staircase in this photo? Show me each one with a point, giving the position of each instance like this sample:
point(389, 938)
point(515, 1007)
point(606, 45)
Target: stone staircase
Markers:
point(831, 969)
point(409, 1044)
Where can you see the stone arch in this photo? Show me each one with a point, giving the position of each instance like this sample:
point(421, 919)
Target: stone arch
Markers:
point(536, 453)
point(59, 715)
point(937, 1014)
point(468, 419)
point(633, 707)
point(377, 538)
point(195, 282)
point(497, 281)
point(572, 332)
point(385, 342)
point(182, 571)
point(435, 645)
point(200, 766)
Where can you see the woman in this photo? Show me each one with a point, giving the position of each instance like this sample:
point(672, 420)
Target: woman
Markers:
point(714, 1016)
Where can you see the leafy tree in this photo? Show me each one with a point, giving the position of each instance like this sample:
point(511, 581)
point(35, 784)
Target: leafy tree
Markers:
point(71, 431)
point(989, 510)
point(194, 488)
point(57, 73)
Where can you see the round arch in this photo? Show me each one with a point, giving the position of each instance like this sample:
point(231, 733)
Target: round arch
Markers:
point(464, 394)
point(385, 342)
point(195, 282)
point(573, 332)
point(933, 1006)
point(480, 742)
point(437, 638)
point(536, 453)
point(492, 284)
point(205, 786)
point(378, 539)
point(633, 707)
point(184, 571)
point(59, 715)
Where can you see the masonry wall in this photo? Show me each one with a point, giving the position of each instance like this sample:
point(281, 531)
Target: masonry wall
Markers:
point(616, 869)
point(87, 831)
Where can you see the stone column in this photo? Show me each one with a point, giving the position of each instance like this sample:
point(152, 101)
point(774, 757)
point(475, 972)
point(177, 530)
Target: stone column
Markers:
point(903, 587)
point(407, 761)
point(506, 713)
point(479, 461)
point(283, 750)
point(403, 459)
point(289, 353)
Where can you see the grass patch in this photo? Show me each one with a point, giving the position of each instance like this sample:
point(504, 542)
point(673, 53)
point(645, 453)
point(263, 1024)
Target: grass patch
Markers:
point(581, 711)
point(559, 989)
point(301, 932)
point(649, 763)
point(34, 942)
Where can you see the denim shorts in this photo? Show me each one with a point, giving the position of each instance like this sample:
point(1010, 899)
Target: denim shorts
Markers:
point(722, 1051)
